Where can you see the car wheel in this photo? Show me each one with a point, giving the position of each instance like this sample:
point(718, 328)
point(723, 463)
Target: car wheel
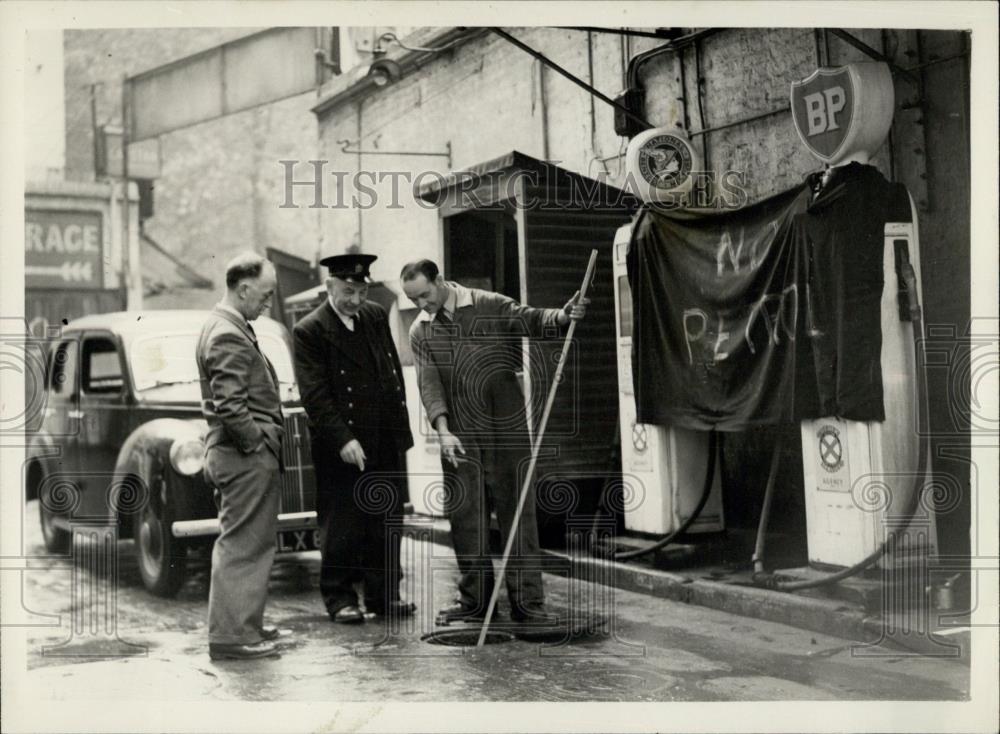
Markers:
point(162, 557)
point(56, 539)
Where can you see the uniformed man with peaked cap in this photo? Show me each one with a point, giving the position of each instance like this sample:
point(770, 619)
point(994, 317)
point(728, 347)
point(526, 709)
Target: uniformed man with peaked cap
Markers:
point(351, 385)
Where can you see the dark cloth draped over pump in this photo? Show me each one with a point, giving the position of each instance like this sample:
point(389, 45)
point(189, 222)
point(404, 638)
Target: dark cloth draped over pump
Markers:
point(765, 314)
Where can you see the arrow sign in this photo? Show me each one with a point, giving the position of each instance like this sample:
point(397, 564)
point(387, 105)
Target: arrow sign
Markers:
point(63, 250)
point(69, 272)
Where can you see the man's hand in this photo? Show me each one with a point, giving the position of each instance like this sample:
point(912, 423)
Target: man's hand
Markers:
point(575, 309)
point(352, 453)
point(449, 444)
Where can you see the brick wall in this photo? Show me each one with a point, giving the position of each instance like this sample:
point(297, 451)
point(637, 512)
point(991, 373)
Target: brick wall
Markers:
point(220, 188)
point(486, 98)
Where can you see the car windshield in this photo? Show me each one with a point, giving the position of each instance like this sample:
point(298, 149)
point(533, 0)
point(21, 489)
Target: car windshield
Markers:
point(168, 360)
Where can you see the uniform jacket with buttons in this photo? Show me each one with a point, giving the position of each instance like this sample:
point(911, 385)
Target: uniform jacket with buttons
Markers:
point(467, 369)
point(239, 390)
point(352, 388)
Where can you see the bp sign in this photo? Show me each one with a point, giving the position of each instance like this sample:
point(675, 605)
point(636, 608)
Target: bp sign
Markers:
point(844, 111)
point(63, 250)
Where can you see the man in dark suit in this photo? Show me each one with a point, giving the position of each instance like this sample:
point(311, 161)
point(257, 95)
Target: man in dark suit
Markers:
point(466, 344)
point(241, 401)
point(351, 384)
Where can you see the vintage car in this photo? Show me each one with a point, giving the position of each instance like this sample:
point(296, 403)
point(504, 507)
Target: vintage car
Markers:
point(122, 441)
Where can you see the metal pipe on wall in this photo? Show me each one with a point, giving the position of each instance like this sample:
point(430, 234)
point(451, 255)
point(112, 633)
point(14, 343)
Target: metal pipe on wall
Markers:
point(590, 78)
point(543, 106)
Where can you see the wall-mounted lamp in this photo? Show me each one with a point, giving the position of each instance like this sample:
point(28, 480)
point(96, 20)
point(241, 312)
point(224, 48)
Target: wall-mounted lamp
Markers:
point(384, 71)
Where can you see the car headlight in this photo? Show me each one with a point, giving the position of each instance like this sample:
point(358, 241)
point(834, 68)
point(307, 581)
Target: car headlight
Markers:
point(187, 456)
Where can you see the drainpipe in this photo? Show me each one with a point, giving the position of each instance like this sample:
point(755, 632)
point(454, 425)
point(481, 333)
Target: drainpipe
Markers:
point(543, 108)
point(358, 137)
point(590, 78)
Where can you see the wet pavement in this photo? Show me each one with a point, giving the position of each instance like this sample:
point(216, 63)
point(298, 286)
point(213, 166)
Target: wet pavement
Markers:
point(651, 649)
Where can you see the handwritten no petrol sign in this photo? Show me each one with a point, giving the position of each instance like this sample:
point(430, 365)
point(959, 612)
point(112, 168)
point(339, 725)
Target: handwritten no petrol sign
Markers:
point(63, 250)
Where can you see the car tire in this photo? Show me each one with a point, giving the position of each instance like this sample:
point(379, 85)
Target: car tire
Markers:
point(161, 557)
point(55, 538)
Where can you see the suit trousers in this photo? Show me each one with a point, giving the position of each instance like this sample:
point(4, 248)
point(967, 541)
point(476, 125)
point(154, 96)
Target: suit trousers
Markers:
point(475, 489)
point(360, 519)
point(244, 551)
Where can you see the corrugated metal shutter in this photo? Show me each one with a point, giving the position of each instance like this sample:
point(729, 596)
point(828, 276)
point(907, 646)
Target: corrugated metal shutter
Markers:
point(583, 422)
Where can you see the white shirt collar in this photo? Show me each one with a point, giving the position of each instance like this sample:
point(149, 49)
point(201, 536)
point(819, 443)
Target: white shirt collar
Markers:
point(460, 297)
point(347, 320)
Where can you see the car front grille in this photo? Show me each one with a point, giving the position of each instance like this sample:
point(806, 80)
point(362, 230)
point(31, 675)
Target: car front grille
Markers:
point(298, 482)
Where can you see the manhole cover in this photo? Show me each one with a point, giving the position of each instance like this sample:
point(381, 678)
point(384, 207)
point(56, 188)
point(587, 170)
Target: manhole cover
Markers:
point(468, 637)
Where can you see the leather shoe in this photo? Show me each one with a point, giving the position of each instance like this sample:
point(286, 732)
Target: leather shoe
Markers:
point(348, 615)
point(535, 615)
point(272, 633)
point(397, 609)
point(460, 613)
point(262, 649)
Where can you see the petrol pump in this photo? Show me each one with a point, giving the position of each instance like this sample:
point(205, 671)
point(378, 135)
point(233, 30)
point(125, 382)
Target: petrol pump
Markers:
point(663, 467)
point(861, 476)
point(864, 478)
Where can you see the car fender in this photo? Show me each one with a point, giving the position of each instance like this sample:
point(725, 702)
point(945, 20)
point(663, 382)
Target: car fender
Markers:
point(145, 455)
point(44, 456)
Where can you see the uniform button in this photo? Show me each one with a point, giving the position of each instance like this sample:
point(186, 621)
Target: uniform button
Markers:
point(342, 372)
point(350, 423)
point(350, 405)
point(349, 389)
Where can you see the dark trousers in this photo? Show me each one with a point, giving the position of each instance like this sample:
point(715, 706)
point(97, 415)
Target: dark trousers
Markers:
point(474, 489)
point(360, 519)
point(244, 551)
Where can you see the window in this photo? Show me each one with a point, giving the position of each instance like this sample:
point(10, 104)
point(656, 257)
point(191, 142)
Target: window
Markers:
point(102, 372)
point(62, 373)
point(168, 361)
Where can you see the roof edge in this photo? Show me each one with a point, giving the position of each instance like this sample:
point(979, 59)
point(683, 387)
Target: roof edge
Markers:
point(361, 85)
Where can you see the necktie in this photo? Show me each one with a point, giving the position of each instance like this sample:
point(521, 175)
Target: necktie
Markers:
point(256, 345)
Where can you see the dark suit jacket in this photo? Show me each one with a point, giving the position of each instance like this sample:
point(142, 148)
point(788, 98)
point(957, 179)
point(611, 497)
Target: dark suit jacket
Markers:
point(352, 388)
point(239, 390)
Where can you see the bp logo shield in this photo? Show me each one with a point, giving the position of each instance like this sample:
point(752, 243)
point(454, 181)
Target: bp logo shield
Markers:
point(823, 110)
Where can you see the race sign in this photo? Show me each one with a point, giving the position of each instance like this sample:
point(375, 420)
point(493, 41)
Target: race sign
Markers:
point(63, 250)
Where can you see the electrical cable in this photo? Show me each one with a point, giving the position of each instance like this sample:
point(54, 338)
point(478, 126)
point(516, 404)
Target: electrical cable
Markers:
point(390, 37)
point(602, 551)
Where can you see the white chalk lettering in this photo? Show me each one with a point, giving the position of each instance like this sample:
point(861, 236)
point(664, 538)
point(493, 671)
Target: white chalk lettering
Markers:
point(723, 335)
point(690, 337)
point(774, 308)
point(726, 246)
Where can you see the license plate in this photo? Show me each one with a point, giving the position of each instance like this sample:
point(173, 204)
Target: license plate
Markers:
point(298, 541)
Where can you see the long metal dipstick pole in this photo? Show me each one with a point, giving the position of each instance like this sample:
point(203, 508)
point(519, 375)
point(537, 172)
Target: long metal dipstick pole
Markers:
point(534, 458)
